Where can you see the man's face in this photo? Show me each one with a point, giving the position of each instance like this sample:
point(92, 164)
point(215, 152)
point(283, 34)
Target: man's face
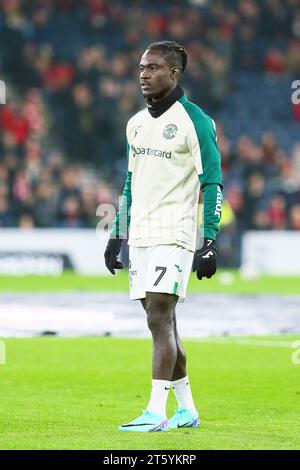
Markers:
point(157, 78)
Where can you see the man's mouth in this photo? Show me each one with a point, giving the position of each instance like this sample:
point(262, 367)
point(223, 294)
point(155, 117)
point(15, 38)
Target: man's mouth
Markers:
point(145, 86)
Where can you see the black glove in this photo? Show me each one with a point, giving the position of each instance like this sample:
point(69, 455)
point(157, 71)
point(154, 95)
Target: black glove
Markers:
point(111, 252)
point(205, 259)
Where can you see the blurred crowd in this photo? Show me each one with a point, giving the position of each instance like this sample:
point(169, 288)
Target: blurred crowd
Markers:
point(71, 69)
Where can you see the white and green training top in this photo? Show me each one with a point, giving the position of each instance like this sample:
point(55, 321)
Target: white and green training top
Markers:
point(170, 158)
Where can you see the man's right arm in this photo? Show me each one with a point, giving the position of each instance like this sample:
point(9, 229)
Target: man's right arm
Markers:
point(120, 225)
point(122, 220)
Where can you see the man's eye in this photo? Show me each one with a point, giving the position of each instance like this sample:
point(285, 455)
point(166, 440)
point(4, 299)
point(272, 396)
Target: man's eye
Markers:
point(152, 68)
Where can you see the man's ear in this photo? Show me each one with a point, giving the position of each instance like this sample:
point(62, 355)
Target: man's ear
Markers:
point(175, 72)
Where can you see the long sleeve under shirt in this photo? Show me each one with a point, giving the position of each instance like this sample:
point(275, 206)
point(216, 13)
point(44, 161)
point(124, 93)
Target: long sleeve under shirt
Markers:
point(170, 158)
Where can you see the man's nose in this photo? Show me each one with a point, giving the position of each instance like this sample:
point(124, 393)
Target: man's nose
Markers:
point(145, 73)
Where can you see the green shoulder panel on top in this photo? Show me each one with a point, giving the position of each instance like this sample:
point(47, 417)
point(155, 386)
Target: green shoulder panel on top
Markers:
point(122, 220)
point(207, 138)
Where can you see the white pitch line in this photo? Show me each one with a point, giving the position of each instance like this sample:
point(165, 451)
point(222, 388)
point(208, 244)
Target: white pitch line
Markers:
point(247, 342)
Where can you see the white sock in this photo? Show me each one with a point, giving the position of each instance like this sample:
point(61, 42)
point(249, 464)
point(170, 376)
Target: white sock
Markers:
point(183, 394)
point(158, 398)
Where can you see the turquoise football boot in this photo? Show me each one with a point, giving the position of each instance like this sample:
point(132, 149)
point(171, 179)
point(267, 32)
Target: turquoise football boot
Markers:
point(183, 418)
point(147, 422)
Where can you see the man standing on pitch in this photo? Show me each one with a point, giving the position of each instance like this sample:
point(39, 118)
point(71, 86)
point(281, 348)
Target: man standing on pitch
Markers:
point(172, 153)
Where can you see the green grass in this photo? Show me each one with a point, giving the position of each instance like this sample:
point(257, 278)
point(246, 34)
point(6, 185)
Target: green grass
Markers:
point(226, 282)
point(73, 393)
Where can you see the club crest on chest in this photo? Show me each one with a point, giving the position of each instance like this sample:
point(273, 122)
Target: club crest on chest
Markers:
point(170, 131)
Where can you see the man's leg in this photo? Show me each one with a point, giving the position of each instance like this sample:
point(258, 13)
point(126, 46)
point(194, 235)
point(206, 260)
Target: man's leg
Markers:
point(180, 364)
point(168, 356)
point(180, 381)
point(160, 309)
point(187, 415)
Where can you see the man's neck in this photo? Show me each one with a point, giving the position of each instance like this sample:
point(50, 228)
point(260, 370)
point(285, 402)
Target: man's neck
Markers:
point(160, 106)
point(167, 93)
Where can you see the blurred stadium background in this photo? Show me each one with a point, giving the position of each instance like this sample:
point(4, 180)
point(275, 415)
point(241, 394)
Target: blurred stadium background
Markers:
point(70, 72)
point(70, 69)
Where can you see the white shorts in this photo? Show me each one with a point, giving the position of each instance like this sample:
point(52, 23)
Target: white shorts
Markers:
point(160, 268)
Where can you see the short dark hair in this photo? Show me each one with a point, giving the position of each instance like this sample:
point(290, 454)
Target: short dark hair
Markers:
point(173, 52)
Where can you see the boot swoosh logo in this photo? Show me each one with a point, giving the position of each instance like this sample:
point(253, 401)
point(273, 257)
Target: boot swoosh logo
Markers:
point(188, 423)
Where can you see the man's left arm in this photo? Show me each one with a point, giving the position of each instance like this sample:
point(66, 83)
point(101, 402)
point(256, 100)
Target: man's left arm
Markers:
point(205, 259)
point(210, 179)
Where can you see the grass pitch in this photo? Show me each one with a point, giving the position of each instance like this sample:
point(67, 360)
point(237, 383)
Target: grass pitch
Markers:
point(73, 394)
point(228, 281)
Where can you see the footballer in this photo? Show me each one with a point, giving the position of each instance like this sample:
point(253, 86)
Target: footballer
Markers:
point(172, 154)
